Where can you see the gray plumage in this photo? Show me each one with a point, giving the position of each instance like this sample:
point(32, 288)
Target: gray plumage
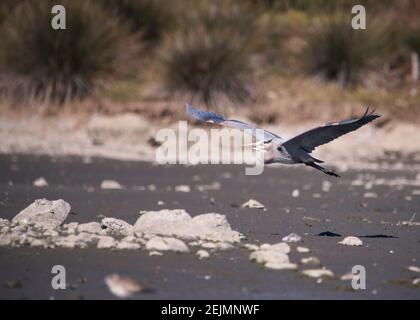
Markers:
point(297, 149)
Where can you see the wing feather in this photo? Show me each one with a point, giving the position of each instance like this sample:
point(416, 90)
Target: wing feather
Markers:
point(313, 138)
point(212, 117)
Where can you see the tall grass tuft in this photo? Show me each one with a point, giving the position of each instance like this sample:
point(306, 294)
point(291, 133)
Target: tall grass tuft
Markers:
point(336, 51)
point(149, 18)
point(208, 56)
point(56, 66)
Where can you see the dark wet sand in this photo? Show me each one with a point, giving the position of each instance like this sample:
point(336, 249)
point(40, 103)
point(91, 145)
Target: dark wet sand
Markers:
point(343, 211)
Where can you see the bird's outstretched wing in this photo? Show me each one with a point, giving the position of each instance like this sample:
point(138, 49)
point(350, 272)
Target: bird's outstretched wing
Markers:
point(311, 139)
point(212, 117)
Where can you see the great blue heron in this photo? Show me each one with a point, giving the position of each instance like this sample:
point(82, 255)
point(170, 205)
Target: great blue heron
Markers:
point(297, 149)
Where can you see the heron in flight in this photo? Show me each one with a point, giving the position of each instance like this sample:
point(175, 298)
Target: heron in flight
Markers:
point(297, 149)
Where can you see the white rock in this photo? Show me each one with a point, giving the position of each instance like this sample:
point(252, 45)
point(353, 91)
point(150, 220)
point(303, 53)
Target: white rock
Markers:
point(145, 236)
point(416, 281)
point(269, 256)
point(90, 227)
point(164, 222)
point(110, 184)
point(122, 287)
point(291, 238)
point(281, 266)
point(413, 268)
point(202, 254)
point(209, 187)
point(4, 230)
point(5, 240)
point(71, 227)
point(23, 239)
point(212, 227)
point(123, 245)
point(252, 247)
point(46, 225)
point(38, 243)
point(40, 182)
point(303, 250)
point(318, 273)
point(131, 239)
point(182, 188)
point(326, 186)
point(155, 253)
point(370, 195)
point(80, 240)
point(106, 242)
point(117, 227)
point(351, 241)
point(151, 187)
point(253, 204)
point(4, 222)
point(279, 247)
point(166, 244)
point(295, 193)
point(51, 233)
point(208, 245)
point(311, 261)
point(217, 245)
point(265, 246)
point(87, 237)
point(46, 213)
point(178, 223)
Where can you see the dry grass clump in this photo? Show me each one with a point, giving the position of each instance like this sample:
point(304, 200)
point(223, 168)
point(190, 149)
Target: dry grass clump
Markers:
point(210, 53)
point(336, 51)
point(149, 18)
point(56, 66)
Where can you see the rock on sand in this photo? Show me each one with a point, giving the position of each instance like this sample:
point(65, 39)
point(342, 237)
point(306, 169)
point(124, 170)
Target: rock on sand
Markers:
point(179, 224)
point(117, 227)
point(166, 244)
point(122, 287)
point(351, 241)
point(110, 184)
point(318, 273)
point(273, 256)
point(44, 213)
point(253, 204)
point(293, 237)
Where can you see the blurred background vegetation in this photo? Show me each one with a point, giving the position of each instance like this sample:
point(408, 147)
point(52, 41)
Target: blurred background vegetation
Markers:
point(272, 58)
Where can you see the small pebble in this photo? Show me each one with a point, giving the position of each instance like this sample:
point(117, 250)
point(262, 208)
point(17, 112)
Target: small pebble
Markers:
point(202, 254)
point(303, 250)
point(351, 241)
point(291, 238)
point(40, 182)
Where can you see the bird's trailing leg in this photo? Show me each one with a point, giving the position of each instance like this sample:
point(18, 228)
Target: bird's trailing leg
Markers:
point(318, 167)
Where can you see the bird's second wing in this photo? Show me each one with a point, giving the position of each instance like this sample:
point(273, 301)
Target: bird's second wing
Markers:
point(311, 139)
point(212, 117)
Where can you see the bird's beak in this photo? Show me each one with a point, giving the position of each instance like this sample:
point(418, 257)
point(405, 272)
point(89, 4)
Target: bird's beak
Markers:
point(254, 144)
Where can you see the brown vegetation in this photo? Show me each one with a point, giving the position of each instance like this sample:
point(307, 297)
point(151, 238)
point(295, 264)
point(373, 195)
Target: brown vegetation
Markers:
point(273, 58)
